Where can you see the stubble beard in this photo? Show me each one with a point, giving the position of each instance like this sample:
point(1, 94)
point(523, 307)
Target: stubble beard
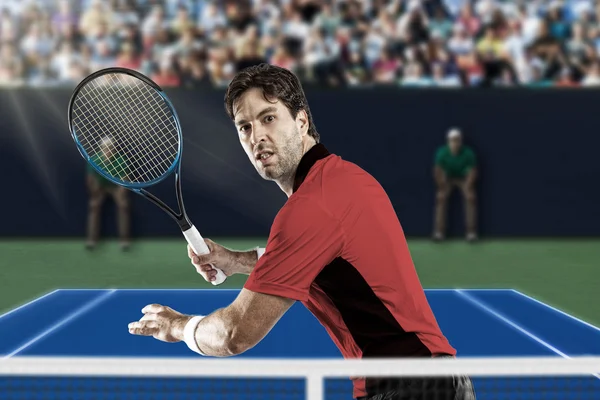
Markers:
point(288, 157)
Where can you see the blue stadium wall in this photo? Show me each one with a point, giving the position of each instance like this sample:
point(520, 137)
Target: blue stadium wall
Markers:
point(538, 153)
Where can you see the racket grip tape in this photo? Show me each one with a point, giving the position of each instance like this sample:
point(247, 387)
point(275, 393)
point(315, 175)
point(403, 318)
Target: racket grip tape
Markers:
point(197, 244)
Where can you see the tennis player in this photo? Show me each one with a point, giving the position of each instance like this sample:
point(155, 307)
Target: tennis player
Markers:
point(99, 187)
point(336, 246)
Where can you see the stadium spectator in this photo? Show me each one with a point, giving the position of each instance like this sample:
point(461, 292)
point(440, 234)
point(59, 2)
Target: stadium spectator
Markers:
point(182, 23)
point(385, 68)
point(593, 76)
point(455, 167)
point(492, 53)
point(356, 70)
point(441, 79)
point(128, 58)
point(566, 78)
point(441, 25)
point(9, 31)
point(514, 47)
point(11, 65)
point(97, 21)
point(194, 74)
point(413, 76)
point(211, 17)
point(468, 20)
point(166, 75)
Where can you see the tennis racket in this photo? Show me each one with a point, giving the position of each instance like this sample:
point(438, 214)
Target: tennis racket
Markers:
point(126, 128)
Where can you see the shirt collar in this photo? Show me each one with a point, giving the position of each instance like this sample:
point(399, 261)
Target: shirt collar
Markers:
point(316, 153)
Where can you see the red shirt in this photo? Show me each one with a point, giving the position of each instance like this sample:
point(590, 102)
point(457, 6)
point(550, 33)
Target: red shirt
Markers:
point(338, 247)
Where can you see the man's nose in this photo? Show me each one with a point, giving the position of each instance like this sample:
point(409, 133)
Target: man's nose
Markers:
point(258, 135)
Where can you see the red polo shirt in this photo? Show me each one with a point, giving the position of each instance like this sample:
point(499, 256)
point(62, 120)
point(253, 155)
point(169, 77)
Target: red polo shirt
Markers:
point(338, 247)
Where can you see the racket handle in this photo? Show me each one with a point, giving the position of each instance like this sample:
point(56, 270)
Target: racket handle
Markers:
point(197, 244)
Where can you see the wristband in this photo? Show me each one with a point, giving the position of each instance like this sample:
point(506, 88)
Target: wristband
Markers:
point(260, 251)
point(189, 334)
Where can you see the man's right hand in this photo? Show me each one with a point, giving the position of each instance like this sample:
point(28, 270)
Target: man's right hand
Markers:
point(229, 261)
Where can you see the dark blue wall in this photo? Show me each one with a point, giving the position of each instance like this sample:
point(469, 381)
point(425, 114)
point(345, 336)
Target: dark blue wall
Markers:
point(537, 149)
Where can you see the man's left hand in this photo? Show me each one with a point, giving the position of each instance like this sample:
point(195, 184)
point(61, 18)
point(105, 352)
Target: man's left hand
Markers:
point(161, 322)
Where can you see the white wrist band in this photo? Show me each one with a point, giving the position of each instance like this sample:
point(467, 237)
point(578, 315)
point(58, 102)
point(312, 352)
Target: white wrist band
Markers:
point(189, 334)
point(260, 251)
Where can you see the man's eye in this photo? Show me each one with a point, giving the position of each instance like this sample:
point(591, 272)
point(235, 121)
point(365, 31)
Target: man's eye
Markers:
point(244, 128)
point(269, 118)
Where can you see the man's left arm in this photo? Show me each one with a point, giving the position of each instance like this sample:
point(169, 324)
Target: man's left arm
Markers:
point(226, 332)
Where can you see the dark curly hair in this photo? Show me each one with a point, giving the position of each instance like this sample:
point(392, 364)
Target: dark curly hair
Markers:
point(275, 83)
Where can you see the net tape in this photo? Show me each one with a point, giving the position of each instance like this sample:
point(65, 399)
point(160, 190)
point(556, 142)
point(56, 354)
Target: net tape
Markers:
point(126, 113)
point(164, 378)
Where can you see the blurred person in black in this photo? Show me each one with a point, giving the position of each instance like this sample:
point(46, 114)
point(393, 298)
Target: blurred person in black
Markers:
point(239, 14)
point(455, 166)
point(194, 74)
point(356, 70)
point(249, 50)
point(413, 25)
point(547, 49)
point(98, 188)
point(492, 52)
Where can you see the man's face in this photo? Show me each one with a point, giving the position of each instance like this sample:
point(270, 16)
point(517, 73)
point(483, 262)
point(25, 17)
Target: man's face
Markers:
point(271, 138)
point(455, 144)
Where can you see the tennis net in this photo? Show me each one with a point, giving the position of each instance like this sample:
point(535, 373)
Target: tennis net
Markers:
point(290, 379)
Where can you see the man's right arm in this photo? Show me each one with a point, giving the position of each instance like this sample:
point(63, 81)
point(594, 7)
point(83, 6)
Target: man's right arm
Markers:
point(229, 261)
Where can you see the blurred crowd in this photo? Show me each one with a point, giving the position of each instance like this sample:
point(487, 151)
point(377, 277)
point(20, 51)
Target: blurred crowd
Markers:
point(191, 43)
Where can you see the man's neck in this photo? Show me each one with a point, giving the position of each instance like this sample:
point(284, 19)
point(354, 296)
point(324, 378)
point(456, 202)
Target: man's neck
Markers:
point(286, 183)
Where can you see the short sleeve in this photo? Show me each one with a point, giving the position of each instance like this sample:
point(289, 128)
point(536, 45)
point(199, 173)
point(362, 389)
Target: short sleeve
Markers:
point(304, 238)
point(471, 161)
point(439, 155)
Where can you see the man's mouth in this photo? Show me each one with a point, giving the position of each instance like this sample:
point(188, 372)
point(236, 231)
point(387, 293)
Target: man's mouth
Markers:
point(264, 156)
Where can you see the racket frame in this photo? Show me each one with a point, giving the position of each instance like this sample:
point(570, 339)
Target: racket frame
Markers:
point(181, 218)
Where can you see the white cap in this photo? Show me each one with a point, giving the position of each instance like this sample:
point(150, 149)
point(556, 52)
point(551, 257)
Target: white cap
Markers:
point(106, 141)
point(454, 133)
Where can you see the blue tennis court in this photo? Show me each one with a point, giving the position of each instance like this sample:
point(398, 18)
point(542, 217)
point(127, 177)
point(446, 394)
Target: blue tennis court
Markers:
point(478, 323)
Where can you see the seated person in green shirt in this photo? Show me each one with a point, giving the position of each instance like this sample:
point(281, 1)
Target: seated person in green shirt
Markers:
point(99, 187)
point(455, 167)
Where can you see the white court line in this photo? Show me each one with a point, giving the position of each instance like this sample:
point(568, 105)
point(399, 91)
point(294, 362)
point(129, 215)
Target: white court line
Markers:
point(556, 309)
point(79, 311)
point(511, 323)
point(28, 304)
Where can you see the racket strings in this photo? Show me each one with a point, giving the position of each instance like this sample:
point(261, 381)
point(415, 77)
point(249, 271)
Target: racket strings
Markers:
point(118, 145)
point(135, 117)
point(160, 118)
point(130, 136)
point(126, 131)
point(144, 154)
